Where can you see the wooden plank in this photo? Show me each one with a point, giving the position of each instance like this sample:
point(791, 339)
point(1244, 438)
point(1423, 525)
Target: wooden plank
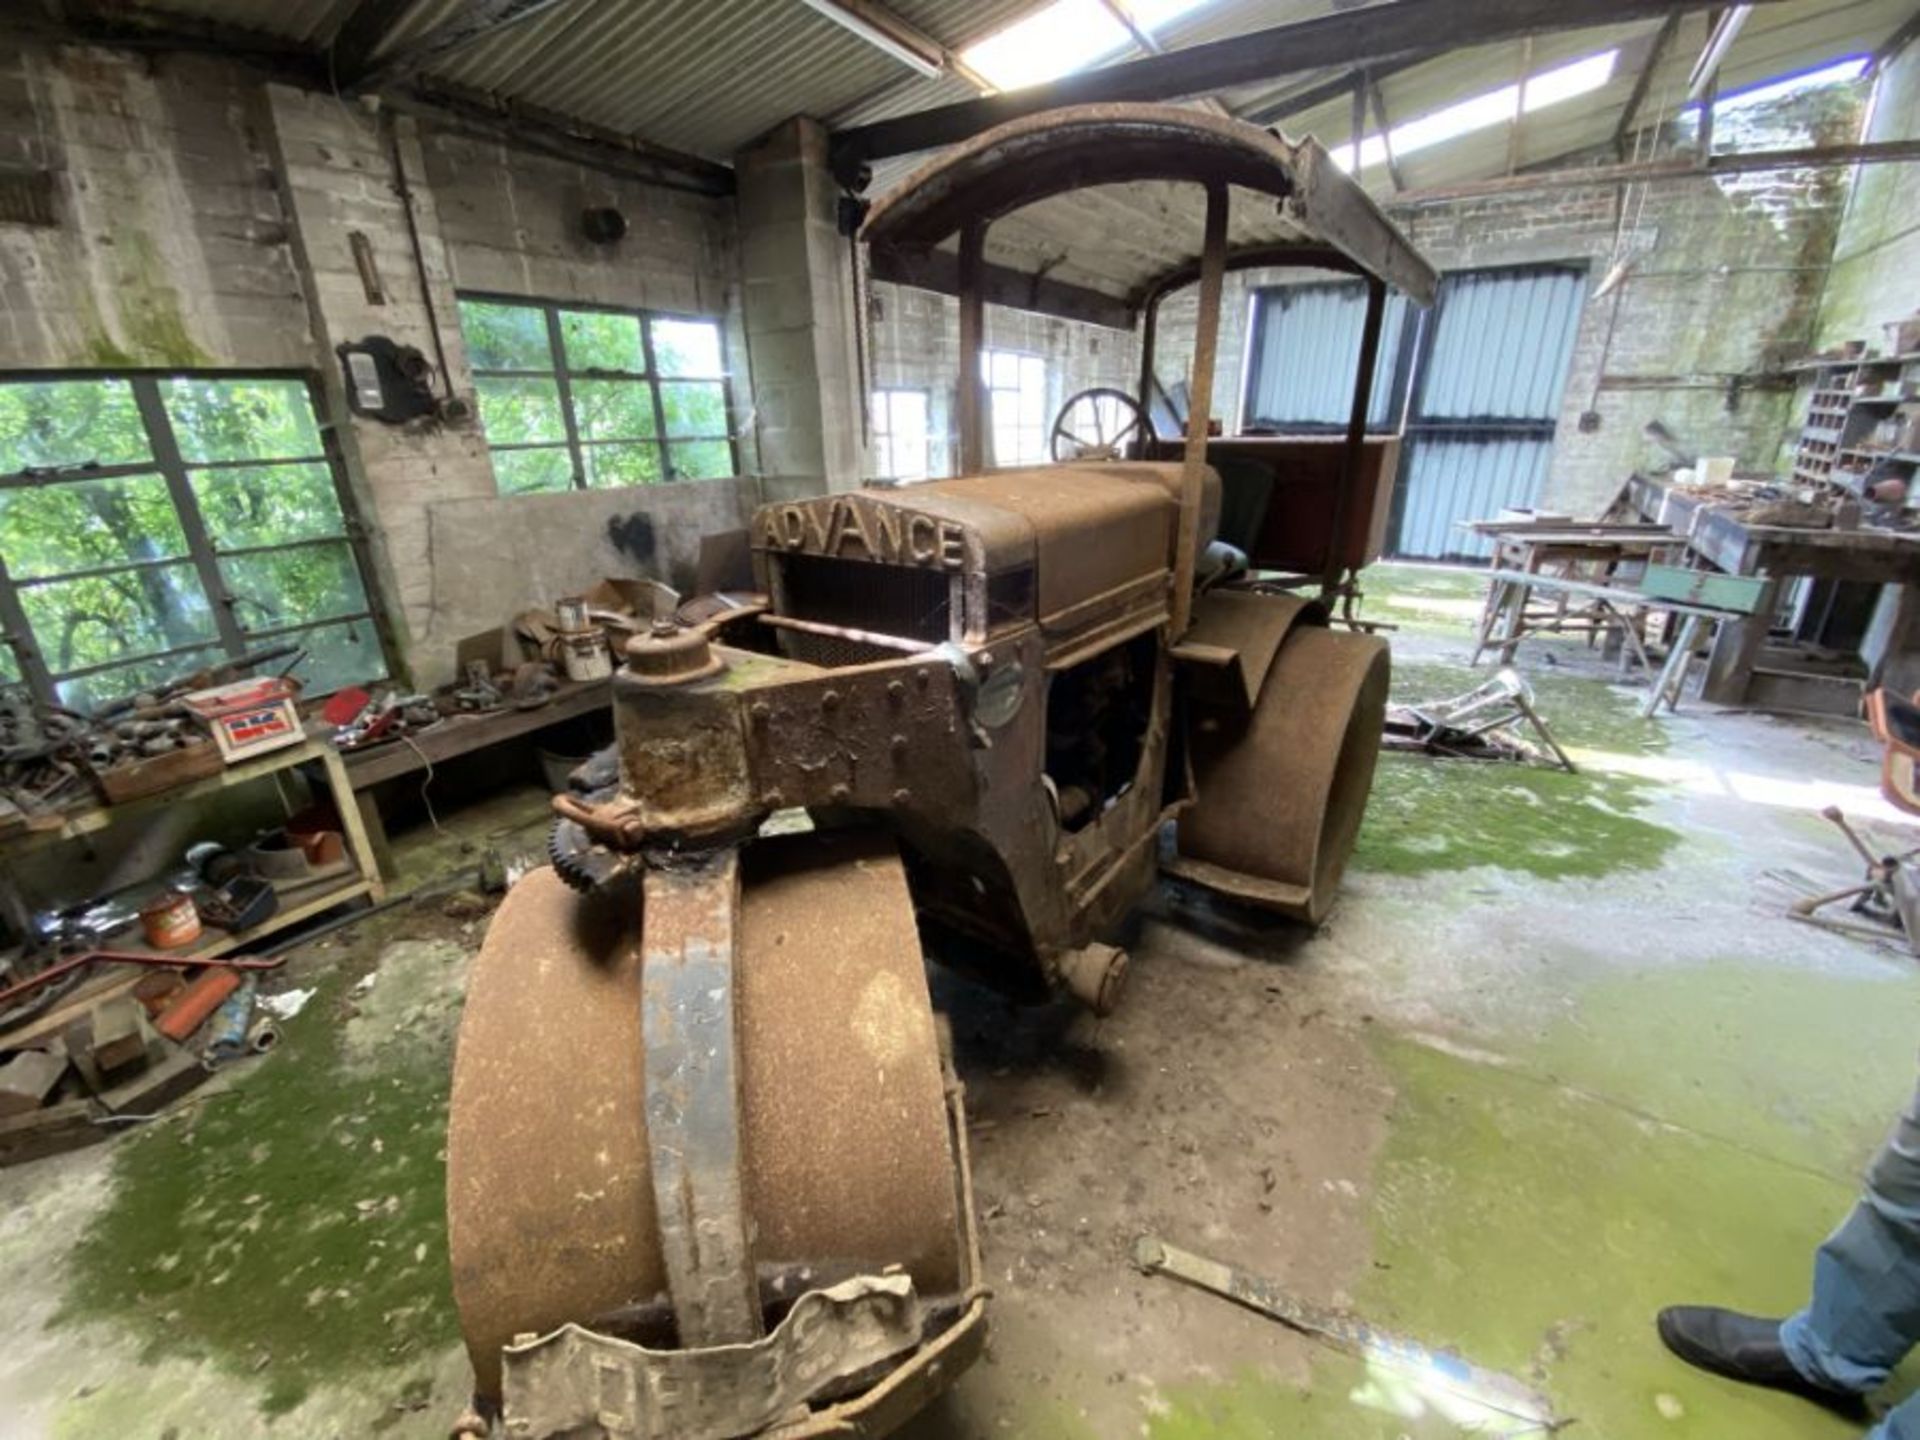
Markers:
point(1703, 587)
point(461, 735)
point(75, 823)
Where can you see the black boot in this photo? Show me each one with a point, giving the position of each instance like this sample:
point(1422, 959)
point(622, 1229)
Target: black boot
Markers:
point(1745, 1348)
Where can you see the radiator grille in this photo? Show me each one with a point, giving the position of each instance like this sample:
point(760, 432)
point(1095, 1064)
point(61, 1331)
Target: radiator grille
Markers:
point(886, 599)
point(830, 652)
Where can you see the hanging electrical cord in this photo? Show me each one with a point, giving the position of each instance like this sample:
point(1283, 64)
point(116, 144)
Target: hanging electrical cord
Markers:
point(1633, 199)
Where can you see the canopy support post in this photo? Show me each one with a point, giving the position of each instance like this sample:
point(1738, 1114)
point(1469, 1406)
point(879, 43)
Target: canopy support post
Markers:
point(1149, 338)
point(973, 334)
point(1206, 337)
point(1336, 563)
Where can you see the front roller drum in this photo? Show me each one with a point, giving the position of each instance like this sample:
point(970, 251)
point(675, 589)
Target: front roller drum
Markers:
point(1282, 791)
point(848, 1150)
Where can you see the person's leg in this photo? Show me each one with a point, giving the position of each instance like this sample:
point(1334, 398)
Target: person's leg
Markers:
point(1865, 1311)
point(1902, 1422)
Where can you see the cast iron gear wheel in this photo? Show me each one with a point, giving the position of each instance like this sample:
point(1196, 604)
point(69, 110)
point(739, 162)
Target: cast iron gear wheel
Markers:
point(580, 860)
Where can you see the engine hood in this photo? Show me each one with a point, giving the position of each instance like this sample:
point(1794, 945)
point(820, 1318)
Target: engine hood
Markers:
point(1084, 530)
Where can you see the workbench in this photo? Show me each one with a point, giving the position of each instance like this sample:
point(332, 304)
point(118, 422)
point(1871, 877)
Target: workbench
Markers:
point(1546, 575)
point(1742, 669)
point(453, 737)
point(299, 900)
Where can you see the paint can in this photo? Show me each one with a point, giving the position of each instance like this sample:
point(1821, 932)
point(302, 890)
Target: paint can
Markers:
point(169, 920)
point(571, 615)
point(585, 656)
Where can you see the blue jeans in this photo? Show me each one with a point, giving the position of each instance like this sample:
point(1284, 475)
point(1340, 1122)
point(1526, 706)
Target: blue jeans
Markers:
point(1865, 1313)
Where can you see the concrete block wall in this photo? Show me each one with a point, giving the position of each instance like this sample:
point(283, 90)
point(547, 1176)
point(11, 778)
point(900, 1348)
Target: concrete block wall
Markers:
point(173, 247)
point(915, 335)
point(798, 276)
point(205, 223)
point(511, 224)
point(1876, 262)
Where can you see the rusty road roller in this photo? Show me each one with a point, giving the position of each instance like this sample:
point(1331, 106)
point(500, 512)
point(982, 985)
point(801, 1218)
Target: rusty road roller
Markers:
point(706, 1165)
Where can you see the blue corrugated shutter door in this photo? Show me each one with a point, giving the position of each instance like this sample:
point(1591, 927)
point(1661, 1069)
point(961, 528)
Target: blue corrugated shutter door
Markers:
point(1481, 436)
point(1306, 350)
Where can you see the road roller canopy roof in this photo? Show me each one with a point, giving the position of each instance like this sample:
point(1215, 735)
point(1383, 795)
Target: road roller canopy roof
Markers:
point(1119, 188)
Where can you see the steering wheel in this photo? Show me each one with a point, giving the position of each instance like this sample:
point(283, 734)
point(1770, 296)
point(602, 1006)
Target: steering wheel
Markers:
point(1097, 425)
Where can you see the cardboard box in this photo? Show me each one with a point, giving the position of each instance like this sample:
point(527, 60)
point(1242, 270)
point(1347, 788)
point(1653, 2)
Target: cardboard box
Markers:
point(1903, 336)
point(249, 717)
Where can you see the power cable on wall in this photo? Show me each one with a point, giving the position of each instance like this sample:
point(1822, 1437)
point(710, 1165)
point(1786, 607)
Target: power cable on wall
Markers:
point(405, 192)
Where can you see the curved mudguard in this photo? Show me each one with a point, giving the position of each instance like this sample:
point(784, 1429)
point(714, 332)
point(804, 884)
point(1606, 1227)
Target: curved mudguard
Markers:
point(1232, 642)
point(1283, 750)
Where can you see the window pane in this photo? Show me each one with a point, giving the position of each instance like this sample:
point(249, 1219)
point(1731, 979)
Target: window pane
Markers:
point(687, 347)
point(277, 588)
point(701, 460)
point(505, 337)
point(610, 466)
point(694, 409)
point(909, 413)
point(337, 656)
point(613, 409)
point(90, 692)
point(528, 472)
point(268, 506)
point(520, 411)
point(103, 618)
point(69, 422)
point(596, 340)
point(241, 419)
point(84, 524)
point(9, 665)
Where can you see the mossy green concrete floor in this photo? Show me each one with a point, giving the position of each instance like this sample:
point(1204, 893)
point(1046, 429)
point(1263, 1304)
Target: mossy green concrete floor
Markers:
point(1557, 1060)
point(270, 1257)
point(1662, 1093)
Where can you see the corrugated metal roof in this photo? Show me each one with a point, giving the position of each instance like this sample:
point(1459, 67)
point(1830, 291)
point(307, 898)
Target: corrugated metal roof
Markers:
point(708, 76)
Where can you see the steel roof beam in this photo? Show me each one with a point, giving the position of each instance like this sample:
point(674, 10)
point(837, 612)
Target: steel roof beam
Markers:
point(1706, 70)
point(1643, 83)
point(477, 20)
point(1348, 38)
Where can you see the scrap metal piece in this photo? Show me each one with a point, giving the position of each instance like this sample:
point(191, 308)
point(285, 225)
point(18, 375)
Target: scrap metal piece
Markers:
point(1490, 722)
point(1487, 1389)
point(574, 1380)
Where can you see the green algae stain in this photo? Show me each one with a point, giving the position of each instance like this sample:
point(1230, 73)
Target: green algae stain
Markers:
point(1429, 814)
point(1686, 1135)
point(1805, 1066)
point(291, 1228)
point(1345, 1401)
point(1538, 1231)
point(1424, 599)
point(1432, 815)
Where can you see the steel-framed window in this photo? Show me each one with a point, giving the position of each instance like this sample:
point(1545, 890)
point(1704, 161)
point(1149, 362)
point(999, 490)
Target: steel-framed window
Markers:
point(155, 523)
point(1017, 406)
point(579, 397)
